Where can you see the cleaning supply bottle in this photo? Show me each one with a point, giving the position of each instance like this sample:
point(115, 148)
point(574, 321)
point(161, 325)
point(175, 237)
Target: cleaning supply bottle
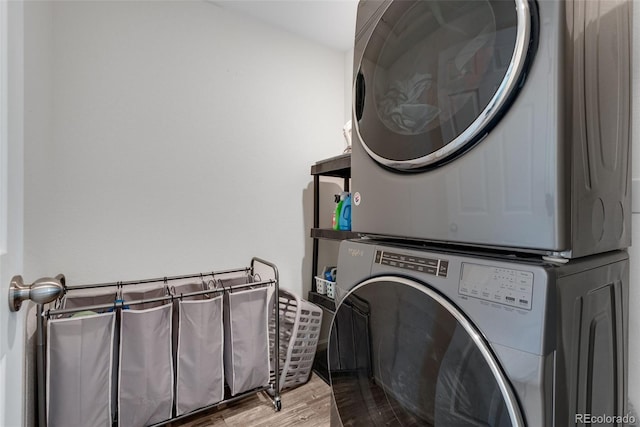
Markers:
point(336, 215)
point(344, 220)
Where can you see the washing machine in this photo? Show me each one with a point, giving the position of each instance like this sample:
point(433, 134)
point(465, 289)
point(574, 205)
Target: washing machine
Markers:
point(425, 337)
point(494, 123)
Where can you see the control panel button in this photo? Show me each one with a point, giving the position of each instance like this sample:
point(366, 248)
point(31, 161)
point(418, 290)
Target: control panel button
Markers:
point(443, 268)
point(436, 267)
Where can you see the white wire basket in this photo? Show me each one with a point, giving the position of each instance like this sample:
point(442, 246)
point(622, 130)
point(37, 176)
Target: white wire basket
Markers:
point(300, 323)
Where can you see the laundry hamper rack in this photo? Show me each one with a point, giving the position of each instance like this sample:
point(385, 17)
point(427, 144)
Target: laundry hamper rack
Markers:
point(100, 314)
point(299, 327)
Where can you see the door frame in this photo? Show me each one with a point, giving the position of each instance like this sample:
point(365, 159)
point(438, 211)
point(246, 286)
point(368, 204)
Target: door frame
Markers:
point(12, 325)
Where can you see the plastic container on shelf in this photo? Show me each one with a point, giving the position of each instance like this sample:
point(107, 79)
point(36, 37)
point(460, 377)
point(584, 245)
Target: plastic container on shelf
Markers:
point(300, 323)
point(331, 290)
point(341, 219)
point(321, 285)
point(344, 220)
point(326, 279)
point(335, 221)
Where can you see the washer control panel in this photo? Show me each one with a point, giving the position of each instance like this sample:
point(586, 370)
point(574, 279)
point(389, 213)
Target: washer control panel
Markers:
point(437, 267)
point(499, 285)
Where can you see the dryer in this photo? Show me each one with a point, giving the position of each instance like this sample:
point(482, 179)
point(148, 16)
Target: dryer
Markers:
point(442, 338)
point(494, 123)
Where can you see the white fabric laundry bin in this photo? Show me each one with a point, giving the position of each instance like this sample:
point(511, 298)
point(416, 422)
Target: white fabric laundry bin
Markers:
point(79, 370)
point(145, 377)
point(246, 339)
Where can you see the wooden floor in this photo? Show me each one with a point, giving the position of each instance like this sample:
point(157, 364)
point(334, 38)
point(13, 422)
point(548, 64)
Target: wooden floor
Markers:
point(307, 406)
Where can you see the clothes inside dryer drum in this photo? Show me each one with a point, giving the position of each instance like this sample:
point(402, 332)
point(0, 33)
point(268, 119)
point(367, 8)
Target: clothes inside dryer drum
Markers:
point(429, 72)
point(424, 369)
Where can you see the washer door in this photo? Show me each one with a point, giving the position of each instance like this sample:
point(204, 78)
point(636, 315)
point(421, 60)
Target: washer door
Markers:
point(437, 75)
point(402, 354)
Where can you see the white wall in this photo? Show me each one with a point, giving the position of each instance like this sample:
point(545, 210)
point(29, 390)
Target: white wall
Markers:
point(348, 84)
point(172, 137)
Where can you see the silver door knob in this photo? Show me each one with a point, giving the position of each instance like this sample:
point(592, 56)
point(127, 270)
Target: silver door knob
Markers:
point(41, 291)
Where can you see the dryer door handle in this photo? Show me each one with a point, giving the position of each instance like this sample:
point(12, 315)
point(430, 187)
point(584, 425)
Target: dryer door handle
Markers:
point(359, 95)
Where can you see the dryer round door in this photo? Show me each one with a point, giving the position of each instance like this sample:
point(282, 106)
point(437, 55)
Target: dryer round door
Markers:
point(437, 75)
point(402, 354)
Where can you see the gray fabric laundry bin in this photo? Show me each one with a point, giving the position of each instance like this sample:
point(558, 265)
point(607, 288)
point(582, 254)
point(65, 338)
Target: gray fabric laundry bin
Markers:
point(228, 280)
point(246, 339)
point(176, 289)
point(144, 292)
point(79, 370)
point(199, 360)
point(87, 297)
point(145, 377)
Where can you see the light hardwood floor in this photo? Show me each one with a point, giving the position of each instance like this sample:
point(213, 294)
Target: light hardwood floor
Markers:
point(305, 406)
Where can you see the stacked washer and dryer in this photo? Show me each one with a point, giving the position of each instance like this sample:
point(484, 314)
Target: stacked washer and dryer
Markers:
point(491, 175)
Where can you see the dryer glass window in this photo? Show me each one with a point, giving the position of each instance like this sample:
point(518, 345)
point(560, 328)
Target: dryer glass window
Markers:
point(434, 73)
point(398, 356)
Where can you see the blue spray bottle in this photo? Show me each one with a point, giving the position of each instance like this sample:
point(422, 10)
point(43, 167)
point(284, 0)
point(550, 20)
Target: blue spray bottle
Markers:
point(344, 220)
